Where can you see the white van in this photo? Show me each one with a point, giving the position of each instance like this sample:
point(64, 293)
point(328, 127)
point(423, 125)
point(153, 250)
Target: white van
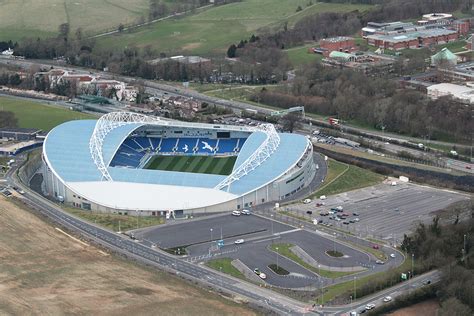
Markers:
point(245, 212)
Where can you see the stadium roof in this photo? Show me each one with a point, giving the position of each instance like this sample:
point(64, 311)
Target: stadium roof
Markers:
point(67, 151)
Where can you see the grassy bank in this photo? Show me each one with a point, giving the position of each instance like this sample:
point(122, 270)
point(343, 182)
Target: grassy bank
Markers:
point(113, 221)
point(225, 265)
point(342, 177)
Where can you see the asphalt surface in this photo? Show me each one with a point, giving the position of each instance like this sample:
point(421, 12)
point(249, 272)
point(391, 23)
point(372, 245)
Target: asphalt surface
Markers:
point(259, 233)
point(385, 211)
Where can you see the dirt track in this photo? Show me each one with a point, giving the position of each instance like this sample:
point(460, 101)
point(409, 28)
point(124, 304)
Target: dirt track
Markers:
point(43, 271)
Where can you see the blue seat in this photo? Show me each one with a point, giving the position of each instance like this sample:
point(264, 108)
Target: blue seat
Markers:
point(227, 145)
point(167, 145)
point(186, 145)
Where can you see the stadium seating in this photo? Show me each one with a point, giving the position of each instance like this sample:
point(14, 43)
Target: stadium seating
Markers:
point(133, 149)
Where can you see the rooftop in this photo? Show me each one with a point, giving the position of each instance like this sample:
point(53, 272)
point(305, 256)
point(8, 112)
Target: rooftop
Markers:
point(403, 37)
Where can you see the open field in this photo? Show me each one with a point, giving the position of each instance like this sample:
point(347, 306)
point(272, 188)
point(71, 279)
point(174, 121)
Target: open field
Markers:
point(42, 116)
point(299, 56)
point(41, 18)
point(212, 31)
point(194, 164)
point(45, 272)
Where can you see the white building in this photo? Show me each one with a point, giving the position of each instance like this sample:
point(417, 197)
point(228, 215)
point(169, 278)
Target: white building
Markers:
point(461, 93)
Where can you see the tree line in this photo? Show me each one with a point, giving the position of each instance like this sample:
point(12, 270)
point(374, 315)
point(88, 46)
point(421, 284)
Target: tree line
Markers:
point(379, 103)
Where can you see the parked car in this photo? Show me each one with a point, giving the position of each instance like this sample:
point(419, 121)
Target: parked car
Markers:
point(355, 214)
point(345, 222)
point(379, 262)
point(307, 201)
point(236, 213)
point(426, 282)
point(323, 213)
point(351, 221)
point(256, 271)
point(392, 255)
point(245, 212)
point(309, 212)
point(262, 276)
point(356, 219)
point(337, 219)
point(375, 246)
point(387, 299)
point(320, 204)
point(345, 215)
point(239, 241)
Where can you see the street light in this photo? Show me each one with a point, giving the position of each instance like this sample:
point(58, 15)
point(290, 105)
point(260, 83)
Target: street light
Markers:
point(277, 256)
point(211, 233)
point(412, 264)
point(334, 242)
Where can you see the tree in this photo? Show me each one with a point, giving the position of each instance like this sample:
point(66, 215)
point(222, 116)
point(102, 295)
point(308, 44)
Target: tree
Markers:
point(291, 121)
point(454, 307)
point(120, 28)
point(64, 30)
point(231, 51)
point(8, 119)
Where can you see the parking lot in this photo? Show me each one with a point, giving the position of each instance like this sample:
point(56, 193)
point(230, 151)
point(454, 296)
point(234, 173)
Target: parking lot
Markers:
point(384, 211)
point(259, 234)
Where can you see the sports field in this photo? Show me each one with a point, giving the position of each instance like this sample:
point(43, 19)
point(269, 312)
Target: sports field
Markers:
point(32, 114)
point(212, 31)
point(194, 164)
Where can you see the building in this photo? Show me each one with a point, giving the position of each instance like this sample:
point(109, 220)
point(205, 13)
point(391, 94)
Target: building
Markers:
point(413, 39)
point(433, 29)
point(460, 93)
point(19, 134)
point(368, 63)
point(101, 165)
point(188, 60)
point(444, 57)
point(339, 44)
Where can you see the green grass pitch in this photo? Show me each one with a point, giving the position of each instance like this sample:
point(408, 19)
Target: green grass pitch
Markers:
point(194, 164)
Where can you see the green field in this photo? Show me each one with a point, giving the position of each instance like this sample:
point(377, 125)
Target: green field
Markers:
point(194, 164)
point(41, 18)
point(300, 56)
point(36, 115)
point(342, 177)
point(225, 265)
point(212, 31)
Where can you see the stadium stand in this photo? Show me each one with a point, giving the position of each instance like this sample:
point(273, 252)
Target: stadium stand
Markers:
point(134, 148)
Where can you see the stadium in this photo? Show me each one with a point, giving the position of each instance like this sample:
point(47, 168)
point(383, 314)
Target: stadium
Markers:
point(133, 164)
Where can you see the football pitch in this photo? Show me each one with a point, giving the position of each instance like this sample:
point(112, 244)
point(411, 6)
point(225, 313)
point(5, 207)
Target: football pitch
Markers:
point(194, 164)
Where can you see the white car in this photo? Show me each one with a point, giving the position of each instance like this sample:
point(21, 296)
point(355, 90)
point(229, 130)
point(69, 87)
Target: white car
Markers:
point(392, 255)
point(262, 276)
point(245, 212)
point(369, 306)
point(322, 197)
point(387, 299)
point(307, 201)
point(239, 241)
point(236, 213)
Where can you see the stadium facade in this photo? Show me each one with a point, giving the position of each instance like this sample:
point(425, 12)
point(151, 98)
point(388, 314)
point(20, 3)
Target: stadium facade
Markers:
point(134, 164)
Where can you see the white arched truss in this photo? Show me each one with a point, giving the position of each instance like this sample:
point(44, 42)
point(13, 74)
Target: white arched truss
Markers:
point(263, 152)
point(104, 125)
point(110, 121)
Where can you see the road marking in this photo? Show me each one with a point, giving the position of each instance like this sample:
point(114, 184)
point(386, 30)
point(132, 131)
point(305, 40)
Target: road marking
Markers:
point(287, 232)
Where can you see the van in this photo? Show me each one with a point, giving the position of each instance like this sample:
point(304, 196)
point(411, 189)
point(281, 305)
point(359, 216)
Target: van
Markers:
point(322, 197)
point(235, 213)
point(245, 212)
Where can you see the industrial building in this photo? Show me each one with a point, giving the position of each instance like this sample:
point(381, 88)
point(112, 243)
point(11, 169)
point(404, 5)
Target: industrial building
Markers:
point(463, 94)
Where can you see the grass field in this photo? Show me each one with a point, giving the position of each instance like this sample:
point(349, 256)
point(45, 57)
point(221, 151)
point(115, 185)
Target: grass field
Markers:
point(284, 250)
point(45, 272)
point(342, 177)
point(41, 18)
point(212, 31)
point(36, 115)
point(194, 164)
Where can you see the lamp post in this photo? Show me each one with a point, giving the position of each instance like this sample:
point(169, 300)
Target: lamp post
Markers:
point(412, 264)
point(272, 222)
point(355, 288)
point(277, 256)
point(334, 242)
point(211, 234)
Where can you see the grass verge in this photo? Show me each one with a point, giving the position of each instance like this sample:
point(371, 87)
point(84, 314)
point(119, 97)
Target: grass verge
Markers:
point(284, 250)
point(225, 265)
point(278, 269)
point(334, 253)
point(342, 177)
point(113, 221)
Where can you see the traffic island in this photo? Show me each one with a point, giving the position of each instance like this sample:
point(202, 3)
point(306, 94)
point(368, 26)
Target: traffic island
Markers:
point(278, 269)
point(334, 253)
